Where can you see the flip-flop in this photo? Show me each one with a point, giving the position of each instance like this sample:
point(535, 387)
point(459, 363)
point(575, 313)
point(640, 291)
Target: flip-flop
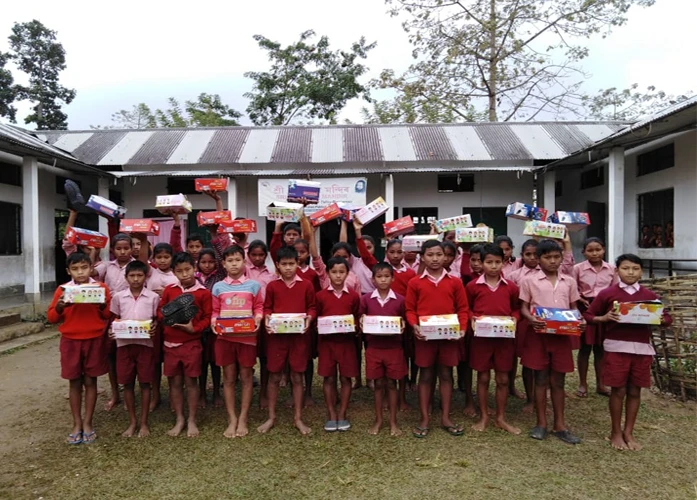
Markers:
point(331, 426)
point(75, 438)
point(581, 394)
point(420, 432)
point(343, 425)
point(454, 430)
point(539, 433)
point(89, 437)
point(567, 437)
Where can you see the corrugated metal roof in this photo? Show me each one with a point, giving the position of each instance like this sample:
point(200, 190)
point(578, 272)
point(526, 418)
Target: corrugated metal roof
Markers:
point(355, 144)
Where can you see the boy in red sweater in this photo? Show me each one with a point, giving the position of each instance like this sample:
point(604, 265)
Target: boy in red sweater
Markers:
point(384, 354)
point(628, 349)
point(492, 295)
point(290, 294)
point(83, 358)
point(182, 343)
point(548, 355)
point(337, 349)
point(283, 236)
point(435, 292)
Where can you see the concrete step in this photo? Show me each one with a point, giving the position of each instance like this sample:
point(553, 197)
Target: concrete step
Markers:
point(7, 319)
point(28, 340)
point(19, 330)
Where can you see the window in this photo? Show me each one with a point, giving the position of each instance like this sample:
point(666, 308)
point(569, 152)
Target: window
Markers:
point(10, 174)
point(656, 160)
point(494, 217)
point(116, 197)
point(593, 178)
point(183, 185)
point(558, 189)
point(456, 183)
point(60, 184)
point(656, 219)
point(10, 229)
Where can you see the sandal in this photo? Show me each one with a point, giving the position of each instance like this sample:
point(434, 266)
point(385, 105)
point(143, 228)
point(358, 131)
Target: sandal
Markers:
point(75, 438)
point(454, 430)
point(331, 426)
point(567, 437)
point(343, 425)
point(90, 437)
point(539, 433)
point(420, 432)
point(581, 394)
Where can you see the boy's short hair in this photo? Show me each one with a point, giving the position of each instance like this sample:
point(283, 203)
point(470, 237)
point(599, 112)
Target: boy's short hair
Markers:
point(430, 244)
point(547, 246)
point(382, 266)
point(634, 259)
point(76, 258)
point(528, 243)
point(182, 258)
point(476, 249)
point(233, 250)
point(121, 237)
point(337, 261)
point(258, 244)
point(163, 247)
point(491, 249)
point(136, 266)
point(292, 227)
point(194, 237)
point(502, 238)
point(287, 253)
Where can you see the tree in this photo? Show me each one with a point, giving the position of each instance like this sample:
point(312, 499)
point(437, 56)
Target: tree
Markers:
point(140, 116)
point(630, 104)
point(306, 80)
point(514, 58)
point(406, 108)
point(8, 92)
point(209, 111)
point(34, 50)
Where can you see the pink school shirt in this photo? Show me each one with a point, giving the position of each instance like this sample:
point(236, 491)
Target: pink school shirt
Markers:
point(144, 307)
point(519, 275)
point(351, 283)
point(537, 290)
point(113, 275)
point(509, 267)
point(158, 280)
point(591, 282)
point(363, 273)
point(261, 275)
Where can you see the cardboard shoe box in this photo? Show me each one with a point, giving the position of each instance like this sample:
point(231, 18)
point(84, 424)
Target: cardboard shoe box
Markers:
point(398, 227)
point(299, 190)
point(85, 237)
point(237, 226)
point(328, 213)
point(574, 221)
point(524, 211)
point(145, 226)
point(202, 185)
point(328, 325)
point(559, 321)
point(236, 327)
point(106, 207)
point(648, 312)
point(213, 218)
point(495, 327)
point(413, 243)
point(440, 327)
point(287, 323)
point(131, 329)
point(173, 204)
point(453, 223)
point(83, 294)
point(544, 229)
point(481, 234)
point(382, 325)
point(284, 212)
point(348, 211)
point(372, 211)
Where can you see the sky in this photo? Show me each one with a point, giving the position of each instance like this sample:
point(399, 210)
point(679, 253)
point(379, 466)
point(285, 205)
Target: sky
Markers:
point(128, 52)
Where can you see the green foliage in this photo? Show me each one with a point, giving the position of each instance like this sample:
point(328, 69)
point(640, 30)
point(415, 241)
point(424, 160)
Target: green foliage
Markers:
point(35, 51)
point(8, 93)
point(630, 104)
point(513, 59)
point(306, 80)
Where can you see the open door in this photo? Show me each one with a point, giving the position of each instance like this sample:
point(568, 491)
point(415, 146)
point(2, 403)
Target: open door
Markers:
point(60, 222)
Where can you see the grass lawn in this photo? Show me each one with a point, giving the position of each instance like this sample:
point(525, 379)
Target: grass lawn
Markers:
point(283, 464)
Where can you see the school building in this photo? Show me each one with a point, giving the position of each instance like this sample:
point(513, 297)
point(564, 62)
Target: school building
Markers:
point(637, 181)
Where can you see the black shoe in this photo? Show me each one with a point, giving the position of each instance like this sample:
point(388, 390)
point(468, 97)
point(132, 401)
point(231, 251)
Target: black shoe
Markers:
point(75, 199)
point(567, 437)
point(539, 433)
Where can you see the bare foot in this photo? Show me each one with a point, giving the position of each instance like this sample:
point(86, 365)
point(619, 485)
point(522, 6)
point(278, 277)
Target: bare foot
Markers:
point(357, 384)
point(528, 408)
point(101, 390)
point(192, 430)
point(404, 406)
point(470, 411)
point(217, 401)
point(371, 384)
point(490, 411)
point(177, 429)
point(617, 442)
point(304, 429)
point(266, 426)
point(395, 430)
point(263, 403)
point(154, 403)
point(231, 430)
point(111, 404)
point(202, 403)
point(308, 401)
point(130, 431)
point(242, 429)
point(505, 426)
point(603, 391)
point(516, 394)
point(144, 431)
point(632, 443)
point(284, 381)
point(375, 429)
point(481, 425)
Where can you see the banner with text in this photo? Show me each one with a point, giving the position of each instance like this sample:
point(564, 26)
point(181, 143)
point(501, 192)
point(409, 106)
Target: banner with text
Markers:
point(335, 190)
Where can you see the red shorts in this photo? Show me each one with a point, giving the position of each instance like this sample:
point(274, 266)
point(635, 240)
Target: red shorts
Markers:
point(492, 353)
point(291, 348)
point(521, 331)
point(544, 351)
point(231, 353)
point(183, 360)
point(132, 360)
point(83, 357)
point(388, 363)
point(339, 351)
point(429, 352)
point(621, 369)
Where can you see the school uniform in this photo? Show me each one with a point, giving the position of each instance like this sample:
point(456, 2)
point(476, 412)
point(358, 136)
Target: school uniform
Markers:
point(352, 282)
point(384, 354)
point(158, 280)
point(337, 349)
point(402, 274)
point(309, 274)
point(591, 282)
point(113, 275)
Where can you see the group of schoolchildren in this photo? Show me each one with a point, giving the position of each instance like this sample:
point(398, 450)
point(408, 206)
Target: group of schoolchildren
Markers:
point(444, 278)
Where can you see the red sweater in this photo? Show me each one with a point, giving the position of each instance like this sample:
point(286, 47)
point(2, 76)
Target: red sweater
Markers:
point(298, 299)
point(604, 301)
point(401, 279)
point(425, 298)
point(372, 307)
point(329, 304)
point(502, 302)
point(275, 245)
point(80, 321)
point(311, 276)
point(203, 300)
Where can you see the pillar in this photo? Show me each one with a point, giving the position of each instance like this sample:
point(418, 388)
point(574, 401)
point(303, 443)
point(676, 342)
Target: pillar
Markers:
point(31, 245)
point(549, 191)
point(103, 191)
point(615, 207)
point(389, 197)
point(232, 196)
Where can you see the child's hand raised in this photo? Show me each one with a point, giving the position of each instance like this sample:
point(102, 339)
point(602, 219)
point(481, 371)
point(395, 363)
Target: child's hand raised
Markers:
point(212, 194)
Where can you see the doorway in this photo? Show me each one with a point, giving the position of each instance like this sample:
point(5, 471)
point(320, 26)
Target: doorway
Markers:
point(60, 222)
point(598, 217)
point(494, 217)
point(423, 218)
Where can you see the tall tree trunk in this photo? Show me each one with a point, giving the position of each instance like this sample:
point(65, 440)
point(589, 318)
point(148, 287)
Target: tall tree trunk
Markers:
point(493, 76)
